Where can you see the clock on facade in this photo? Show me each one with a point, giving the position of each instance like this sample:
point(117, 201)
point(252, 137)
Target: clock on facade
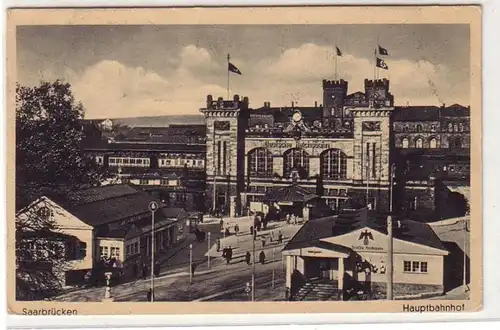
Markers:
point(297, 117)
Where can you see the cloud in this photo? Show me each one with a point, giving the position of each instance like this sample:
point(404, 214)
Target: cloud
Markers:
point(111, 89)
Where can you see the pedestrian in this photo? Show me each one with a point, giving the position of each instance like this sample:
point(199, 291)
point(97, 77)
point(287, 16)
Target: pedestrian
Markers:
point(135, 269)
point(280, 237)
point(247, 258)
point(157, 269)
point(149, 294)
point(263, 241)
point(254, 235)
point(271, 236)
point(221, 223)
point(288, 218)
point(224, 253)
point(230, 253)
point(262, 257)
point(236, 229)
point(144, 271)
point(193, 267)
point(227, 232)
point(251, 230)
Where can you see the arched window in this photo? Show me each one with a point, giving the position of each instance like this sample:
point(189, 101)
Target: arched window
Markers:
point(296, 159)
point(260, 162)
point(419, 143)
point(450, 127)
point(333, 164)
point(405, 143)
point(461, 127)
point(455, 127)
point(419, 128)
point(433, 143)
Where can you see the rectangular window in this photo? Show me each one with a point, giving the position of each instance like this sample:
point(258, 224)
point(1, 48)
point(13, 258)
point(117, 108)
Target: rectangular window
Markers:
point(224, 159)
point(132, 161)
point(115, 252)
point(423, 267)
point(218, 156)
point(103, 251)
point(139, 161)
point(415, 266)
point(125, 161)
point(119, 160)
point(374, 162)
point(407, 266)
point(143, 181)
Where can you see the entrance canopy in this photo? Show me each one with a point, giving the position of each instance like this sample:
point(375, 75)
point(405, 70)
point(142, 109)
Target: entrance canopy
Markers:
point(289, 194)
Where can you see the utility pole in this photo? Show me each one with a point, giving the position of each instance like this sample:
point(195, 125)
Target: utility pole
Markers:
point(208, 252)
point(253, 264)
point(190, 263)
point(274, 251)
point(153, 207)
point(465, 255)
point(390, 236)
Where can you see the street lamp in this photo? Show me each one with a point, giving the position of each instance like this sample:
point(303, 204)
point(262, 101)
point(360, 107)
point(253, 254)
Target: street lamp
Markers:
point(153, 207)
point(190, 263)
point(208, 253)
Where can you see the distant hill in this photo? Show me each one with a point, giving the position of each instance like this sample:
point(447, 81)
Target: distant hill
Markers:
point(160, 121)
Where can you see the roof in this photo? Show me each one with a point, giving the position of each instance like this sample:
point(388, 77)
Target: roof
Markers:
point(333, 226)
point(284, 114)
point(105, 145)
point(293, 193)
point(429, 113)
point(102, 205)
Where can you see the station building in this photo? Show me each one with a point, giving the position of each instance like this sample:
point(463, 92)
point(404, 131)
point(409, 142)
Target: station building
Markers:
point(346, 148)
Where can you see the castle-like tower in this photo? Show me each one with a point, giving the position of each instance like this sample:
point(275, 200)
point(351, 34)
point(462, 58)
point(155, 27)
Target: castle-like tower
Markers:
point(225, 121)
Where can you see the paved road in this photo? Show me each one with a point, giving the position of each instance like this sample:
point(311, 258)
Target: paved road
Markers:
point(174, 281)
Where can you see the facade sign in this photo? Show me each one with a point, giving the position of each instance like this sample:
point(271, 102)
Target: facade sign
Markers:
point(303, 145)
point(221, 125)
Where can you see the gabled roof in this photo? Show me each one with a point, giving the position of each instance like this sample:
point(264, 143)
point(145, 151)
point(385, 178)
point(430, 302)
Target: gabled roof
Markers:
point(292, 193)
point(317, 229)
point(102, 205)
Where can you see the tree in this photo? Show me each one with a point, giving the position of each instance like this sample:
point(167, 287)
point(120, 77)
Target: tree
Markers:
point(49, 162)
point(41, 257)
point(49, 157)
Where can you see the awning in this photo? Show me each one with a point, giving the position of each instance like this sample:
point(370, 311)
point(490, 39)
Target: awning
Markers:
point(289, 194)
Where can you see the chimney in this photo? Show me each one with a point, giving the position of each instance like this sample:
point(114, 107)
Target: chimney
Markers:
point(209, 101)
point(236, 98)
point(315, 104)
point(293, 104)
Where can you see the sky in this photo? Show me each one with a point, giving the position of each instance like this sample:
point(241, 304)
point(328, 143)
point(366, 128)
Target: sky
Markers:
point(129, 71)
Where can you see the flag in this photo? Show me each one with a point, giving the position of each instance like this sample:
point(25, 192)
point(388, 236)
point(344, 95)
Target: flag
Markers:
point(232, 68)
point(382, 51)
point(381, 64)
point(339, 53)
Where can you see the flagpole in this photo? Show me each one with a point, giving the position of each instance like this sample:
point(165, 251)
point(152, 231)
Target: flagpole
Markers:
point(228, 57)
point(375, 67)
point(336, 55)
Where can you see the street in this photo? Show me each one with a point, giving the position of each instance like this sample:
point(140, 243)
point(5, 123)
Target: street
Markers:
point(221, 282)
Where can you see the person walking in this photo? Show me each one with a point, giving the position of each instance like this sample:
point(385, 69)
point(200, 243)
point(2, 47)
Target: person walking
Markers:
point(247, 258)
point(218, 244)
point(263, 240)
point(262, 257)
point(288, 218)
point(229, 254)
point(157, 268)
point(280, 237)
point(135, 270)
point(236, 229)
point(149, 294)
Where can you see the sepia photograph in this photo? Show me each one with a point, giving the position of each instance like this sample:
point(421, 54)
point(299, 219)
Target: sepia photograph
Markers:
point(221, 159)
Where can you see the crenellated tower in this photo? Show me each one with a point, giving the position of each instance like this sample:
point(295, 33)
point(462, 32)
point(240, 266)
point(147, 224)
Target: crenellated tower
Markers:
point(372, 131)
point(225, 122)
point(334, 92)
